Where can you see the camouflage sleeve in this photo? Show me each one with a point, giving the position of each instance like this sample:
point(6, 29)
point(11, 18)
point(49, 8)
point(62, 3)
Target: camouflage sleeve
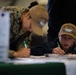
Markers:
point(11, 53)
point(15, 12)
point(26, 37)
point(20, 43)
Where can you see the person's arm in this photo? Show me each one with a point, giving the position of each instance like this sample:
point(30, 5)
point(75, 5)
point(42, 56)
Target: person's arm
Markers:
point(22, 53)
point(11, 52)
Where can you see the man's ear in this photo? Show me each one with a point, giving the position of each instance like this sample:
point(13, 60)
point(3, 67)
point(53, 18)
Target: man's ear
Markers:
point(27, 14)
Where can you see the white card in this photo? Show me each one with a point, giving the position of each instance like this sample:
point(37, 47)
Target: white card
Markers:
point(4, 35)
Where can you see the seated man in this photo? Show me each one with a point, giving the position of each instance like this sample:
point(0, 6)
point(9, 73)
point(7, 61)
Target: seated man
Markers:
point(64, 44)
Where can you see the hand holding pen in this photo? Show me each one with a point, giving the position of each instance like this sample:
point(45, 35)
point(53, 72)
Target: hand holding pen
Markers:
point(58, 45)
point(58, 50)
point(22, 52)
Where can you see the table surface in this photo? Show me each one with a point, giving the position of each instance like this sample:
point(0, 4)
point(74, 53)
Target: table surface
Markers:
point(39, 65)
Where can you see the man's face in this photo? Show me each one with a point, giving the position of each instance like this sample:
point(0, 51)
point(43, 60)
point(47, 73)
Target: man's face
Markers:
point(66, 41)
point(26, 22)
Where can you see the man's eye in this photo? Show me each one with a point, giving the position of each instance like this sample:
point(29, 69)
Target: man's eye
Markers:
point(69, 38)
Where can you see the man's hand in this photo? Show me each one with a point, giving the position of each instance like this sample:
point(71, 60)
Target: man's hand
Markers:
point(58, 50)
point(22, 53)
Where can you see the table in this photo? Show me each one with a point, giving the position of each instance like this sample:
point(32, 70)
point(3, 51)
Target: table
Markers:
point(52, 68)
point(37, 65)
point(69, 62)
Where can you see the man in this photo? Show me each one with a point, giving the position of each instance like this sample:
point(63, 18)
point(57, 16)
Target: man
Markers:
point(24, 21)
point(64, 44)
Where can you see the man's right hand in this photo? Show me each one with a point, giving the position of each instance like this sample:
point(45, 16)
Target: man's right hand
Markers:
point(58, 50)
point(22, 53)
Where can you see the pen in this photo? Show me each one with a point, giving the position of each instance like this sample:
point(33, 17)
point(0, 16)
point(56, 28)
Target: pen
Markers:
point(25, 44)
point(59, 47)
point(58, 44)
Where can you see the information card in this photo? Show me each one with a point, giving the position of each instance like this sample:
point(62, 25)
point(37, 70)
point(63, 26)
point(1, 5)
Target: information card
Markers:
point(4, 35)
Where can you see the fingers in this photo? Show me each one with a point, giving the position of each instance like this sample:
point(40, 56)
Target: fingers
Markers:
point(25, 52)
point(58, 51)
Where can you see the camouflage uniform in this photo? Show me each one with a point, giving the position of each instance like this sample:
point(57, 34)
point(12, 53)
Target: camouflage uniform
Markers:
point(17, 35)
